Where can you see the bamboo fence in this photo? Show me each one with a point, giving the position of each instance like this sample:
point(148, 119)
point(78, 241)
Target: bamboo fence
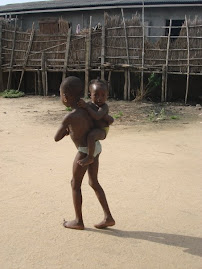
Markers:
point(120, 46)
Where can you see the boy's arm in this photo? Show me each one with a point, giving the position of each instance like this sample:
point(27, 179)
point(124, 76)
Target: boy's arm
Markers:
point(96, 115)
point(62, 131)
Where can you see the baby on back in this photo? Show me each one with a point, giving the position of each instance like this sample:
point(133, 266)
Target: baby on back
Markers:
point(98, 110)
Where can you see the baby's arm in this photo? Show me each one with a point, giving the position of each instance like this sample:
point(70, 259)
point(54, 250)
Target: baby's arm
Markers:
point(96, 115)
point(63, 130)
point(109, 119)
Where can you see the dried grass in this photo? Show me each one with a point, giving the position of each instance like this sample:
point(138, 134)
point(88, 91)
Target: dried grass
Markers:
point(54, 46)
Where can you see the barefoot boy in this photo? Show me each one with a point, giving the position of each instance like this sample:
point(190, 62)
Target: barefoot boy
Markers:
point(98, 110)
point(78, 124)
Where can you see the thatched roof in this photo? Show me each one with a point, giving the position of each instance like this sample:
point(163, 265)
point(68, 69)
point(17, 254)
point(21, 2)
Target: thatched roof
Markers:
point(81, 4)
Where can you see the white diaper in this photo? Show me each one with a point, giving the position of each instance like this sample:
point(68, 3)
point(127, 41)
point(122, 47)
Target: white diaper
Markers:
point(98, 149)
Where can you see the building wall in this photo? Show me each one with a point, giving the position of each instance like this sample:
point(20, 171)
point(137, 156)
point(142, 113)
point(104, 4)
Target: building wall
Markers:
point(154, 16)
point(158, 16)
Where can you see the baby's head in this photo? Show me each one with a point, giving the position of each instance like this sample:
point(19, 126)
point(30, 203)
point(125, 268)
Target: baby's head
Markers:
point(71, 90)
point(98, 91)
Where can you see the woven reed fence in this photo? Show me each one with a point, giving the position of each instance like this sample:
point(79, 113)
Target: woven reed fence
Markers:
point(120, 46)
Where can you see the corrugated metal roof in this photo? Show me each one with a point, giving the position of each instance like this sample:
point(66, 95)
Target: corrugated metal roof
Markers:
point(58, 4)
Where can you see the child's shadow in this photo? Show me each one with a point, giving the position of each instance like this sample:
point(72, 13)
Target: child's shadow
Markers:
point(192, 245)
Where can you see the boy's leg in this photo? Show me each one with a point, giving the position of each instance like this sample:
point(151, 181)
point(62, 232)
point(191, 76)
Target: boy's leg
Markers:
point(93, 136)
point(93, 182)
point(78, 174)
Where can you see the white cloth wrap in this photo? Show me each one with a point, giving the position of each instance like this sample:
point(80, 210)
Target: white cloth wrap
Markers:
point(98, 149)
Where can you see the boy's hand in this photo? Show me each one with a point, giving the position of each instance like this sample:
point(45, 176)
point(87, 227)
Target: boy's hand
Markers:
point(82, 103)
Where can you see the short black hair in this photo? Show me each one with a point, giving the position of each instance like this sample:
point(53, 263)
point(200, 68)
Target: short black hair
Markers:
point(99, 81)
point(72, 86)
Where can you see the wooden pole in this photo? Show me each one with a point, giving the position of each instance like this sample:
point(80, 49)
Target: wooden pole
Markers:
point(126, 39)
point(128, 97)
point(27, 55)
point(39, 82)
point(35, 83)
point(188, 57)
point(43, 74)
point(88, 57)
point(163, 84)
point(125, 85)
point(167, 57)
point(103, 48)
point(67, 53)
point(142, 71)
point(128, 59)
point(109, 83)
point(1, 72)
point(46, 77)
point(12, 54)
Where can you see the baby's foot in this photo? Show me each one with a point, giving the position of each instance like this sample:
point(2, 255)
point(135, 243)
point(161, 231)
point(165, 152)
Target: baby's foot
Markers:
point(73, 225)
point(105, 223)
point(86, 161)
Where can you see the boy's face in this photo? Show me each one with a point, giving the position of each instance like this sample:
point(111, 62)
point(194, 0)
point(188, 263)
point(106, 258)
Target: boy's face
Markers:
point(64, 98)
point(98, 94)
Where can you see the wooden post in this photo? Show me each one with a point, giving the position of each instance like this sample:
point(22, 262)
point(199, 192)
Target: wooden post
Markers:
point(128, 85)
point(142, 69)
point(103, 48)
point(163, 84)
point(125, 95)
point(125, 33)
point(27, 55)
point(188, 57)
point(12, 54)
point(109, 83)
point(22, 74)
point(167, 57)
point(1, 72)
point(43, 73)
point(35, 83)
point(127, 54)
point(67, 53)
point(46, 77)
point(39, 82)
point(88, 57)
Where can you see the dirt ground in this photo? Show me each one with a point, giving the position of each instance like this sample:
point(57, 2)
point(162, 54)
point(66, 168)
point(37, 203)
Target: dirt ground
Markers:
point(150, 169)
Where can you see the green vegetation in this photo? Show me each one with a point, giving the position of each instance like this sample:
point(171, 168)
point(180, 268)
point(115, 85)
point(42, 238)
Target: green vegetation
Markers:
point(162, 114)
point(118, 115)
point(12, 94)
point(152, 115)
point(174, 117)
point(154, 81)
point(155, 116)
point(158, 116)
point(68, 108)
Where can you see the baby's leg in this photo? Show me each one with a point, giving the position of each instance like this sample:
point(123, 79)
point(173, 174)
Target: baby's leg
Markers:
point(93, 136)
point(78, 174)
point(93, 182)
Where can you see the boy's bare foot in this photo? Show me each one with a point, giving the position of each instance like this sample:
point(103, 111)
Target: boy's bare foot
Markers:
point(86, 161)
point(105, 223)
point(73, 225)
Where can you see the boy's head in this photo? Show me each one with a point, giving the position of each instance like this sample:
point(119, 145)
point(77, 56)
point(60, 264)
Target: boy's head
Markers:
point(98, 91)
point(71, 90)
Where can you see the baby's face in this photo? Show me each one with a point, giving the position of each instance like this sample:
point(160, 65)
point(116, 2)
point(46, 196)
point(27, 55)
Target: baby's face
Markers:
point(98, 94)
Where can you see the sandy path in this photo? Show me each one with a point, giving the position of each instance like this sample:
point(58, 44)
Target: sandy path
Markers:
point(152, 180)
